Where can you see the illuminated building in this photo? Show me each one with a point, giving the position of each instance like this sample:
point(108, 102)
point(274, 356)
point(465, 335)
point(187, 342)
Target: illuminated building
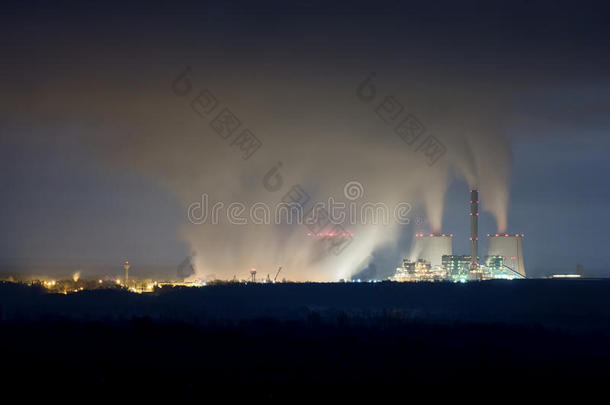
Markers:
point(457, 266)
point(420, 270)
point(495, 268)
point(565, 276)
point(494, 262)
point(432, 247)
point(511, 248)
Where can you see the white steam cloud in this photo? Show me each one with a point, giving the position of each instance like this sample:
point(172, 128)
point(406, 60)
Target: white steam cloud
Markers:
point(319, 129)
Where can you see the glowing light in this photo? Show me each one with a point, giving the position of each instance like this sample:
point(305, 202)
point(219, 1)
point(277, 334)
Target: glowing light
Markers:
point(565, 276)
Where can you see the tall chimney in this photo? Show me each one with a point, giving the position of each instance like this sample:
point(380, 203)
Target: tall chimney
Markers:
point(126, 267)
point(474, 228)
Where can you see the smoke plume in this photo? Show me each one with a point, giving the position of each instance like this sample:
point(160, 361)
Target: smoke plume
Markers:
point(316, 132)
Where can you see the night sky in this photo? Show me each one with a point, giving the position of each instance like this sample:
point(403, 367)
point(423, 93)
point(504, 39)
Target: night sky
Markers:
point(95, 152)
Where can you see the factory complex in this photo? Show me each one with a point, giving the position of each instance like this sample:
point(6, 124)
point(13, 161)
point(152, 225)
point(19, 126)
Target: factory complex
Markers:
point(432, 257)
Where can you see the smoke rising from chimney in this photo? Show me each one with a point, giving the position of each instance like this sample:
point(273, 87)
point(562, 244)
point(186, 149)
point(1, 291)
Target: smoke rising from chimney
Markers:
point(315, 126)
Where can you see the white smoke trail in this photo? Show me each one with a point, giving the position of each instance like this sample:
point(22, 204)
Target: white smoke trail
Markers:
point(318, 129)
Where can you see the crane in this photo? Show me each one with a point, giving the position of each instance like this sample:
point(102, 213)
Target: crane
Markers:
point(276, 274)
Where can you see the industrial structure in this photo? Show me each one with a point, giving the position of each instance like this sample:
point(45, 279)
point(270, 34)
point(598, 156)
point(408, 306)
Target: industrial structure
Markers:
point(510, 247)
point(474, 229)
point(432, 247)
point(458, 267)
point(126, 267)
point(419, 270)
point(432, 257)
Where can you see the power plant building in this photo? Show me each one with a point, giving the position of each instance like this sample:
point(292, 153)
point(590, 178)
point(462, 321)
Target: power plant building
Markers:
point(419, 270)
point(510, 247)
point(432, 247)
point(432, 257)
point(457, 266)
point(494, 262)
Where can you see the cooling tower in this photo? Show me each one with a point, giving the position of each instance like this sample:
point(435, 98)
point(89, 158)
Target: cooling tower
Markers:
point(432, 247)
point(509, 246)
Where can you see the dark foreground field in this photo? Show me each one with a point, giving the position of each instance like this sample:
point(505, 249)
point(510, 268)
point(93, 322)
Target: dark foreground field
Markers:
point(296, 341)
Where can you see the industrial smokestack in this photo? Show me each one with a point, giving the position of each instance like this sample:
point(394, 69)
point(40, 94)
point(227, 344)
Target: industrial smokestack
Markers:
point(126, 267)
point(474, 228)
